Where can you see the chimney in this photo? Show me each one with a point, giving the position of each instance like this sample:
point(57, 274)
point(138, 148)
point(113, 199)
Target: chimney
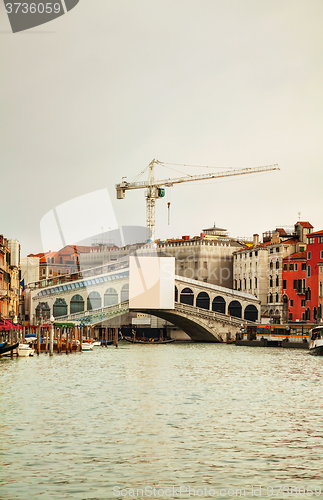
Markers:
point(255, 240)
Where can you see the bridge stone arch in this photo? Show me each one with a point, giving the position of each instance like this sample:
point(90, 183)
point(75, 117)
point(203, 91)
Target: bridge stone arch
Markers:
point(251, 313)
point(110, 297)
point(219, 304)
point(187, 296)
point(93, 301)
point(203, 300)
point(235, 309)
point(76, 304)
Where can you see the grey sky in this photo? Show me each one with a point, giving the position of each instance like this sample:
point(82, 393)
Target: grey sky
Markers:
point(98, 93)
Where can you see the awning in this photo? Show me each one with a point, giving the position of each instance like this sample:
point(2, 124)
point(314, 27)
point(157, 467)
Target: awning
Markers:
point(6, 324)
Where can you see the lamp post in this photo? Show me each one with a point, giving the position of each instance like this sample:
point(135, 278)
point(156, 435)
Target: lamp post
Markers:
point(51, 337)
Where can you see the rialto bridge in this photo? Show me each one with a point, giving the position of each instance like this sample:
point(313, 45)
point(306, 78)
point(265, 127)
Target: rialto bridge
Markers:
point(207, 313)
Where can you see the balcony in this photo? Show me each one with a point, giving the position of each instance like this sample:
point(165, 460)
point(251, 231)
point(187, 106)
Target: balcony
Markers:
point(300, 291)
point(3, 292)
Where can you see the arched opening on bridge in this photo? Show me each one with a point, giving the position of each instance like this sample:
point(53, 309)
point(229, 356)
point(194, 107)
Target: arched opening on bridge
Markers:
point(251, 313)
point(76, 304)
point(203, 301)
point(218, 304)
point(93, 301)
point(59, 308)
point(235, 309)
point(110, 297)
point(125, 293)
point(176, 294)
point(187, 297)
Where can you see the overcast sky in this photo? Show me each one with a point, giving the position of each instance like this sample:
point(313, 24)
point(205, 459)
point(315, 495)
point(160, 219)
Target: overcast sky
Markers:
point(97, 94)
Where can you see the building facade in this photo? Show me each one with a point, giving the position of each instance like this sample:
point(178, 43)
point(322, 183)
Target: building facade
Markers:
point(294, 287)
point(314, 276)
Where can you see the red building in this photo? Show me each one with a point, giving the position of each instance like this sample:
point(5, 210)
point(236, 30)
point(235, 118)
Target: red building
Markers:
point(314, 276)
point(294, 287)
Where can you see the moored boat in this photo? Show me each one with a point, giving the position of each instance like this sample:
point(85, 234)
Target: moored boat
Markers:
point(25, 350)
point(5, 347)
point(316, 341)
point(87, 346)
point(148, 341)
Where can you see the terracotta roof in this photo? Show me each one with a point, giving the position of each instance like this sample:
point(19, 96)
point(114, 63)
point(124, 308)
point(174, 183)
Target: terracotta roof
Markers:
point(317, 233)
point(297, 255)
point(291, 241)
point(281, 231)
point(305, 224)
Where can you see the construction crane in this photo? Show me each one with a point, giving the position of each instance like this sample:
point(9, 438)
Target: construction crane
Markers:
point(156, 188)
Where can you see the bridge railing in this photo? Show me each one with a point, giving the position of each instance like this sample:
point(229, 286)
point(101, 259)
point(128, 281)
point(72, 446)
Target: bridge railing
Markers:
point(107, 310)
point(179, 306)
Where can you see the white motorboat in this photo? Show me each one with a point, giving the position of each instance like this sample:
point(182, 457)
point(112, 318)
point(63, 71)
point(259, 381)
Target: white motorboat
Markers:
point(96, 343)
point(316, 341)
point(87, 346)
point(25, 350)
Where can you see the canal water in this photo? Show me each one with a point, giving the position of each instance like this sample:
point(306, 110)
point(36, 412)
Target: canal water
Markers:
point(208, 420)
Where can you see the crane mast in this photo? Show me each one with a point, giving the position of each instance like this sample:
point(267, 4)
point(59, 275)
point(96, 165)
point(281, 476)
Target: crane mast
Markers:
point(155, 188)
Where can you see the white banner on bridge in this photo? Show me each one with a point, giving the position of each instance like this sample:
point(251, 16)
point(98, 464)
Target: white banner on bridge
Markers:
point(151, 282)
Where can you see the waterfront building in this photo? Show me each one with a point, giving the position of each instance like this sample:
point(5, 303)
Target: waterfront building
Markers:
point(9, 278)
point(208, 257)
point(294, 287)
point(258, 269)
point(314, 276)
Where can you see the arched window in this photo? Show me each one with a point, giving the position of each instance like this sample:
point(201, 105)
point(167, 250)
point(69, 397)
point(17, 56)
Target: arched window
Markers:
point(321, 290)
point(235, 309)
point(203, 300)
point(43, 311)
point(218, 304)
point(277, 264)
point(277, 280)
point(76, 304)
point(125, 293)
point(271, 298)
point(277, 297)
point(59, 308)
point(187, 297)
point(270, 281)
point(93, 301)
point(110, 297)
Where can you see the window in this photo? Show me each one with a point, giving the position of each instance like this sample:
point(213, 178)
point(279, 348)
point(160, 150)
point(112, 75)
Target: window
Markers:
point(320, 239)
point(43, 271)
point(301, 249)
point(271, 250)
point(277, 281)
point(308, 271)
point(309, 255)
point(277, 264)
point(277, 249)
point(291, 303)
point(311, 240)
point(321, 254)
point(270, 281)
point(59, 272)
point(321, 289)
point(284, 284)
point(295, 285)
point(277, 297)
point(271, 265)
point(284, 267)
point(205, 265)
point(303, 303)
point(270, 299)
point(50, 272)
point(250, 254)
point(52, 260)
point(296, 267)
point(291, 267)
point(255, 282)
point(205, 280)
point(256, 253)
point(290, 317)
point(250, 283)
point(196, 265)
point(48, 260)
point(61, 260)
point(303, 266)
point(67, 271)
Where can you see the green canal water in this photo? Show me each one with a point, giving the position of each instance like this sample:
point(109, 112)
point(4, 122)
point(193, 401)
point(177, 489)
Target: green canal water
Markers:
point(213, 418)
